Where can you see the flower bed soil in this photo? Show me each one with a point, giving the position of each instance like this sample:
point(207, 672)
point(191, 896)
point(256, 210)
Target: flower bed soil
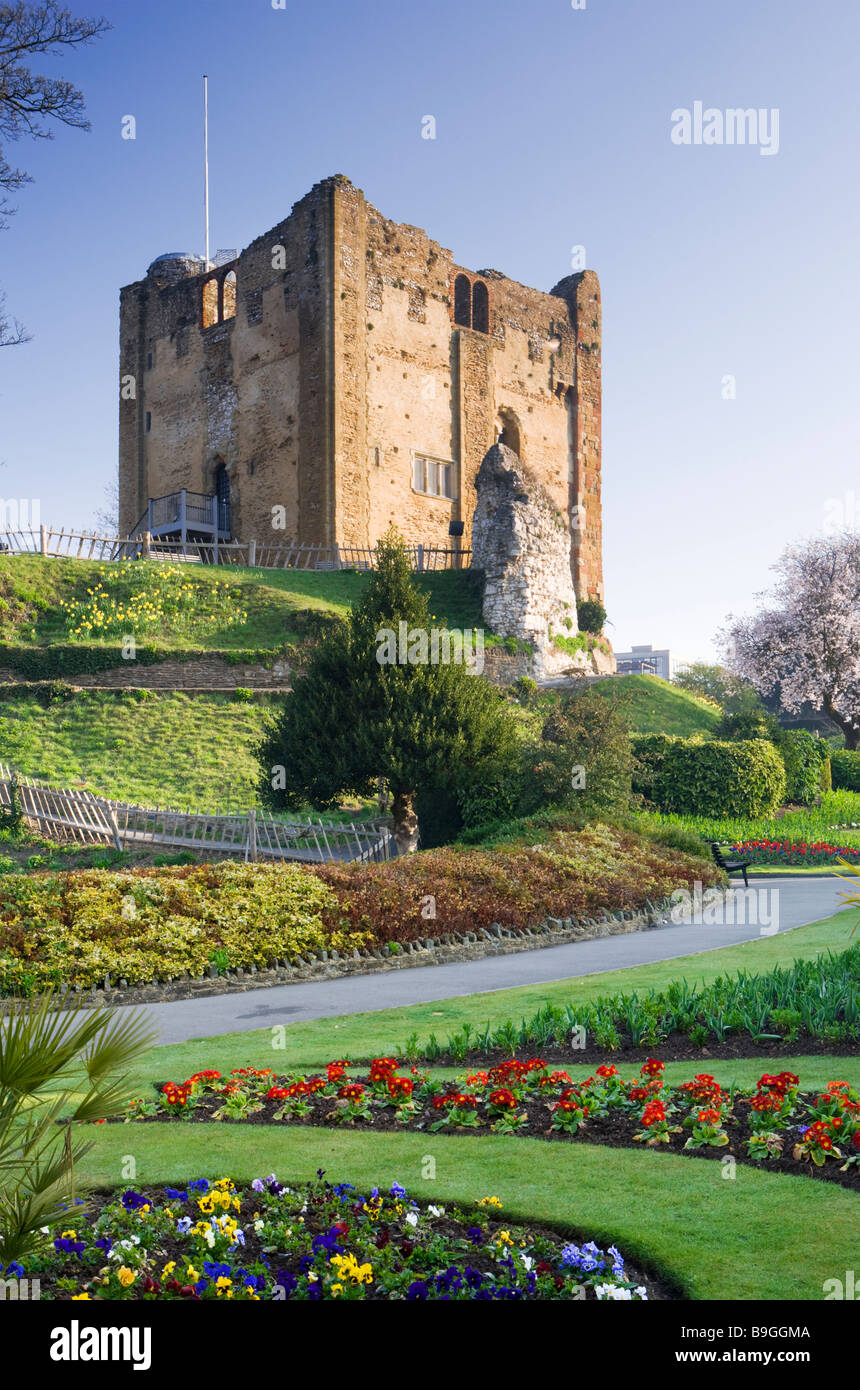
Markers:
point(676, 1048)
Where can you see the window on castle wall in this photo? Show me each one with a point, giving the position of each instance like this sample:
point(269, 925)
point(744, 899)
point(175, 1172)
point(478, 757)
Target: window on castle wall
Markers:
point(228, 294)
point(210, 303)
point(433, 477)
point(480, 307)
point(463, 301)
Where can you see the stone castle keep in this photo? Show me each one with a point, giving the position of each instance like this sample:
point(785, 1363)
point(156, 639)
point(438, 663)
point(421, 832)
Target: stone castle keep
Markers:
point(344, 373)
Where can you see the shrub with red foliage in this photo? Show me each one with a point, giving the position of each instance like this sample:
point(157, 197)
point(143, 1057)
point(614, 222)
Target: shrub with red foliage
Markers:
point(571, 874)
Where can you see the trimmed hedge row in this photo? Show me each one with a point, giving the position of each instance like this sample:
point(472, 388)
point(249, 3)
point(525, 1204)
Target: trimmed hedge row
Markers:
point(744, 777)
point(846, 770)
point(709, 777)
point(807, 765)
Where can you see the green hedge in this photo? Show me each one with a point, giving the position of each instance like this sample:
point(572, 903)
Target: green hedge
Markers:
point(67, 659)
point(806, 761)
point(846, 770)
point(714, 778)
point(649, 755)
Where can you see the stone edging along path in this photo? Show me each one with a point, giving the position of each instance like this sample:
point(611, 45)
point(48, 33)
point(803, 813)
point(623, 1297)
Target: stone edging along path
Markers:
point(439, 950)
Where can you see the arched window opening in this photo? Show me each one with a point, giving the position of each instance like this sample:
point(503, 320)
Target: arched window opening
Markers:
point(228, 295)
point(463, 301)
point(509, 432)
point(210, 302)
point(480, 307)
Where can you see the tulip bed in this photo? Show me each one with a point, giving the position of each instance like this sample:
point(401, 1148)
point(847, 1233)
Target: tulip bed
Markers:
point(270, 1242)
point(774, 1124)
point(806, 855)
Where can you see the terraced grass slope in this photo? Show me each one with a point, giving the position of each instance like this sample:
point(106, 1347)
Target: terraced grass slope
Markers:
point(170, 750)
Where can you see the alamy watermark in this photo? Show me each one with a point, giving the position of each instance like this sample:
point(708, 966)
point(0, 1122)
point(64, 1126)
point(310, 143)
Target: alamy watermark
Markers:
point(441, 646)
point(708, 125)
point(736, 907)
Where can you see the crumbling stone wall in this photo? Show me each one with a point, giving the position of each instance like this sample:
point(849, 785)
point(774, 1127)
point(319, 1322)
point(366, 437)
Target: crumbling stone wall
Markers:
point(521, 541)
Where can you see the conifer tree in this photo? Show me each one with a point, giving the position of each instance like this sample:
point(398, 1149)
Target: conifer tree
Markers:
point(353, 718)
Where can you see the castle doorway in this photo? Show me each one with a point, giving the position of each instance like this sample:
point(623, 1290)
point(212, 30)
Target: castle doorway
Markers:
point(222, 497)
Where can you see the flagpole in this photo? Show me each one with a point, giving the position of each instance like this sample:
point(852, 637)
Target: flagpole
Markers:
point(206, 163)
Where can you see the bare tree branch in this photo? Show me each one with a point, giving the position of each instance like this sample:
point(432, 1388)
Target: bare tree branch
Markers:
point(29, 101)
point(12, 333)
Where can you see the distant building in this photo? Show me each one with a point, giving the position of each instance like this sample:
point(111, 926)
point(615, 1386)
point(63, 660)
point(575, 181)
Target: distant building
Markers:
point(645, 661)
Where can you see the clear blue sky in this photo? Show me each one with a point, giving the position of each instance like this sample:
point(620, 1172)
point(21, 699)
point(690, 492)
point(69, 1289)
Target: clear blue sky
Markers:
point(553, 131)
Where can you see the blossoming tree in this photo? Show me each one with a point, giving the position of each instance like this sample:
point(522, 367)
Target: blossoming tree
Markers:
point(806, 641)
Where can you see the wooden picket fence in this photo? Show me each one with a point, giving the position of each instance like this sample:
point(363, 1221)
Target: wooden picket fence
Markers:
point(74, 815)
point(86, 545)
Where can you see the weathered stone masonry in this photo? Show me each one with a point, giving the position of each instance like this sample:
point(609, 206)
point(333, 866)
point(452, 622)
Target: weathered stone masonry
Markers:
point(358, 349)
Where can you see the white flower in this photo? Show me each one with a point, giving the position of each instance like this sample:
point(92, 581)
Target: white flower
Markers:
point(527, 1262)
point(436, 1211)
point(613, 1291)
point(411, 1218)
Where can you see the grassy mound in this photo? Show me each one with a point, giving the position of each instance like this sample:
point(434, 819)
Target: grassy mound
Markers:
point(188, 608)
point(657, 707)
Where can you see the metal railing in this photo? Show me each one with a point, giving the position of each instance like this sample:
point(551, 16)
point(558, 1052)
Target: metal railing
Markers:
point(90, 545)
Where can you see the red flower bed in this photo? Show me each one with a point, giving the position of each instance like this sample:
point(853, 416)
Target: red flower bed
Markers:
point(774, 1123)
point(787, 852)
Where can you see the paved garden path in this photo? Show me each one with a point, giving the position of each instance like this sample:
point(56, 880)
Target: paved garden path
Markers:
point(799, 901)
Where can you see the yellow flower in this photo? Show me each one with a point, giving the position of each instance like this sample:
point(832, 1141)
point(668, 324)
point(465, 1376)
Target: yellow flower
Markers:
point(68, 1235)
point(337, 1289)
point(489, 1202)
point(191, 1274)
point(80, 1297)
point(168, 1269)
point(222, 1282)
point(126, 1276)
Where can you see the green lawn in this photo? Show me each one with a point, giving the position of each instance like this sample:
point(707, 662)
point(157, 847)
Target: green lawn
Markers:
point(758, 1236)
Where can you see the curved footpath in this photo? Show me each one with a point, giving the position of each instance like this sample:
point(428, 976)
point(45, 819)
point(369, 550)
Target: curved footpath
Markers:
point(799, 901)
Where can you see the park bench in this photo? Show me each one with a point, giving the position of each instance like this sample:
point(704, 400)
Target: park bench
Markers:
point(731, 866)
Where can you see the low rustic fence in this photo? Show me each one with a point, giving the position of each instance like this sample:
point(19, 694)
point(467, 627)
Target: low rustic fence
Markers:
point(75, 815)
point(86, 545)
